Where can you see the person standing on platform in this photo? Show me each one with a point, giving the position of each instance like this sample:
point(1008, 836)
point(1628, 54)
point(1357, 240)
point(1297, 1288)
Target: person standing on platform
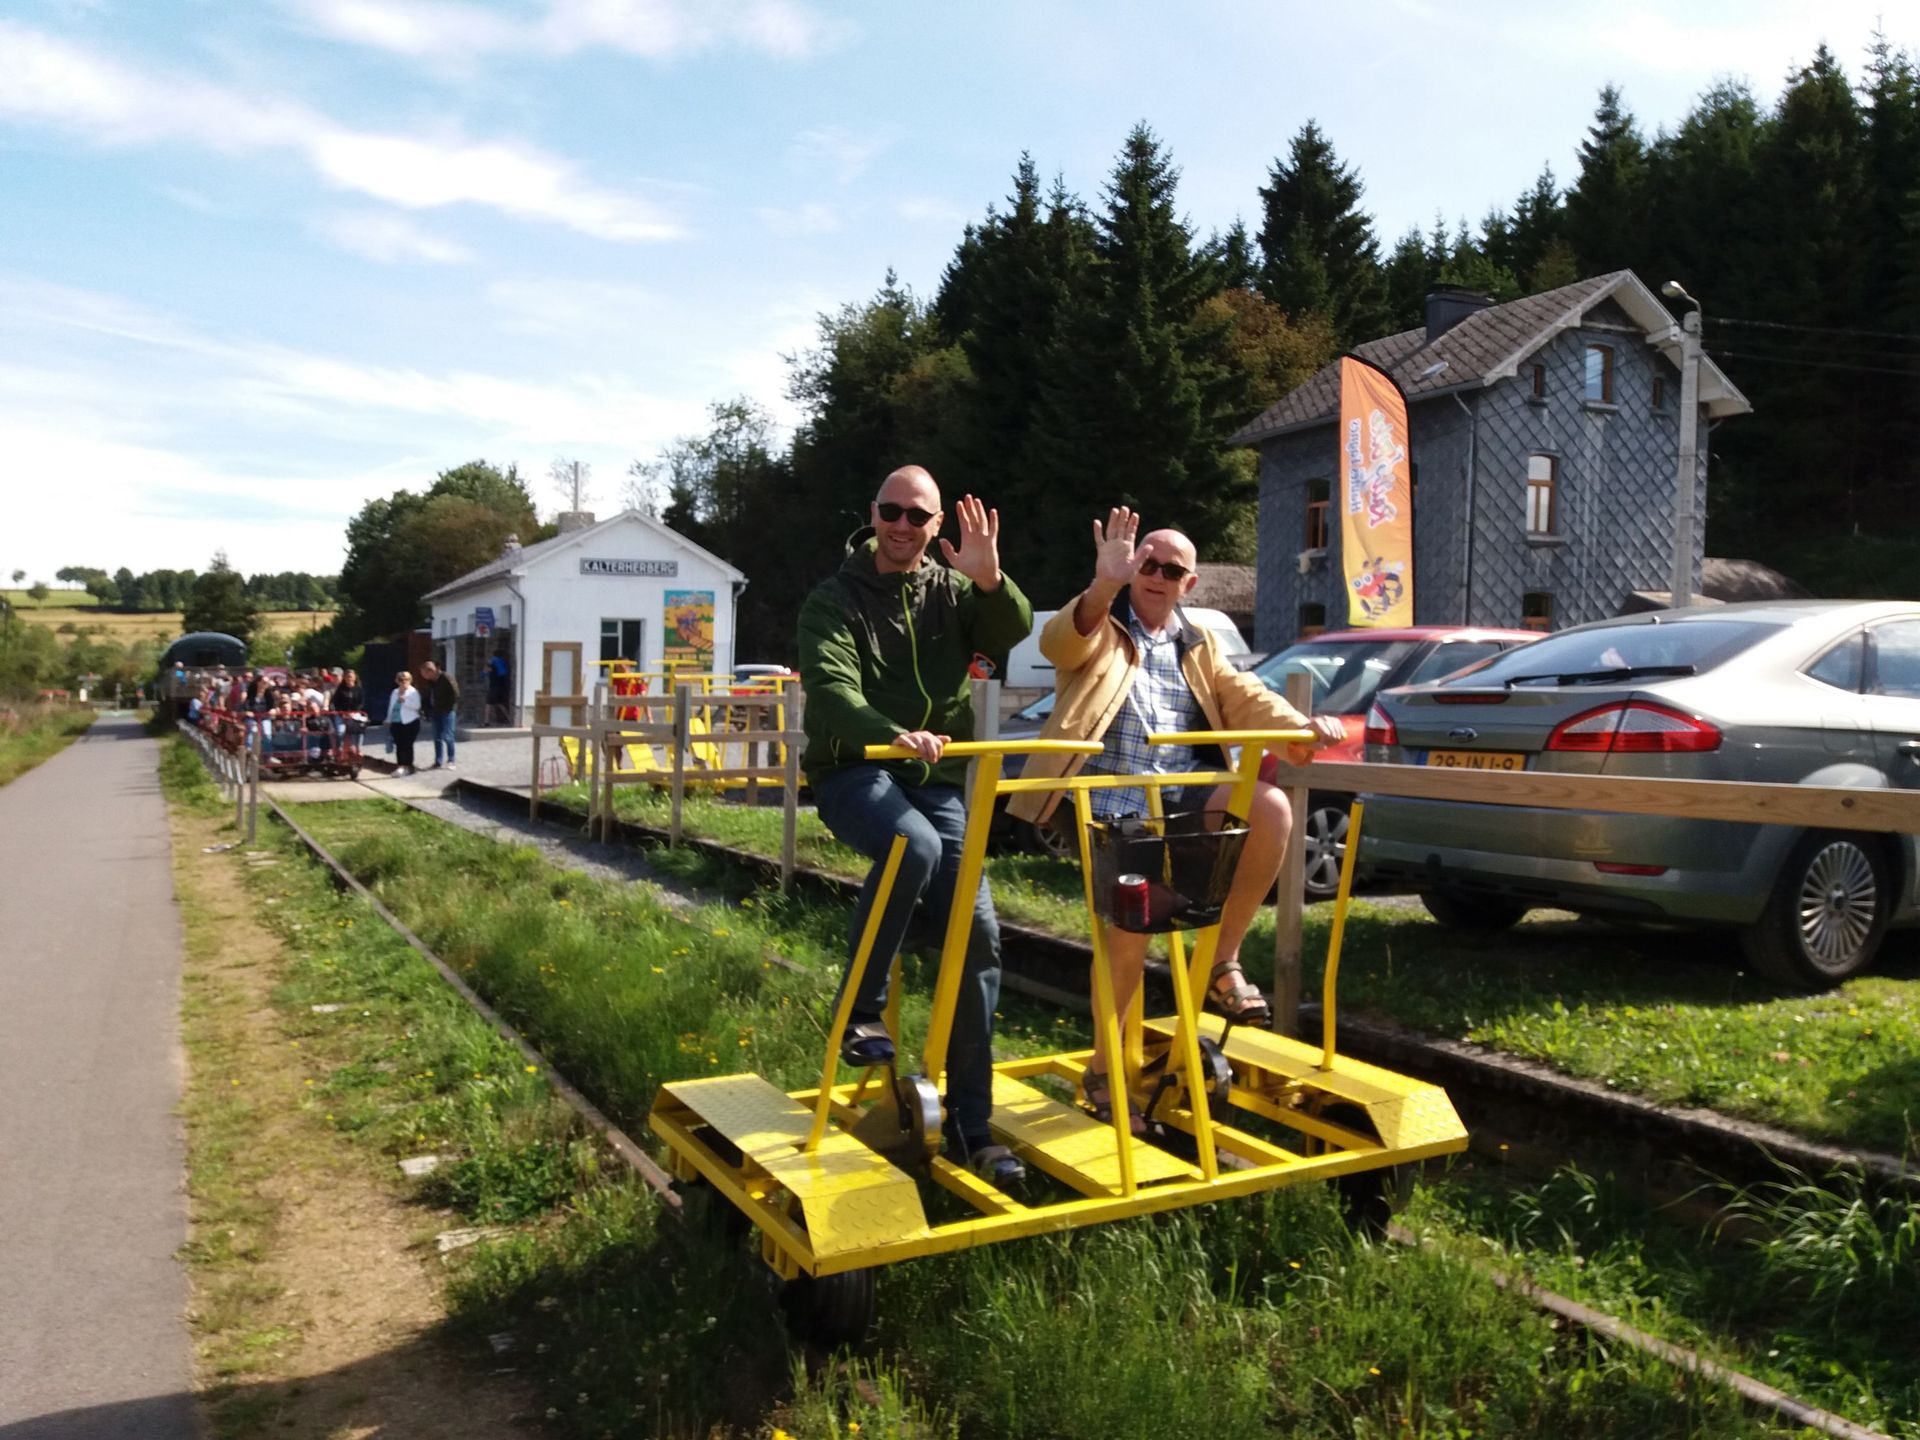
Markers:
point(403, 721)
point(439, 704)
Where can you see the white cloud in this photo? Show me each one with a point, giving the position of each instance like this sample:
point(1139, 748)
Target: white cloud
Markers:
point(843, 154)
point(546, 305)
point(925, 210)
point(48, 81)
point(389, 239)
point(446, 31)
point(813, 218)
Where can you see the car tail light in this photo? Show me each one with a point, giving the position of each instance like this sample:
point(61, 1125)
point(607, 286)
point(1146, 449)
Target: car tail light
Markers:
point(1634, 727)
point(1609, 867)
point(1380, 727)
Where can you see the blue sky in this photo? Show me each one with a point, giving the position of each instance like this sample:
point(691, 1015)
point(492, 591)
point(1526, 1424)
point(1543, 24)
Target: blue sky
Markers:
point(262, 261)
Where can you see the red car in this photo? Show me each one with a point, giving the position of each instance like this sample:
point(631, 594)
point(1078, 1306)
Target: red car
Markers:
point(1348, 668)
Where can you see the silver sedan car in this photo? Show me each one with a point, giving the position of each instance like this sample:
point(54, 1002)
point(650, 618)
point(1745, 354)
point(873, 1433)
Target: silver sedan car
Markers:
point(1810, 692)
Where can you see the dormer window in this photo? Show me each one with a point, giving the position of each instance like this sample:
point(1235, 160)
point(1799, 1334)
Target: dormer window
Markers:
point(1599, 380)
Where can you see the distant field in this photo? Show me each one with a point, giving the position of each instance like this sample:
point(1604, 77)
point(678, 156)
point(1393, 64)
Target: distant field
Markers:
point(56, 600)
point(149, 623)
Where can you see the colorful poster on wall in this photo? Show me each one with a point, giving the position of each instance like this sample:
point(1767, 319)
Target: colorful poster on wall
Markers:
point(1376, 497)
point(689, 628)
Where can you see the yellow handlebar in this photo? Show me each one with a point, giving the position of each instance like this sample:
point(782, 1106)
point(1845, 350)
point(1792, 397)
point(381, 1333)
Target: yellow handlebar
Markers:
point(962, 749)
point(1235, 737)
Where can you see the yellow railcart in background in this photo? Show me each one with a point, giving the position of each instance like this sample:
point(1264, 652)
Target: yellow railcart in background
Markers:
point(832, 1177)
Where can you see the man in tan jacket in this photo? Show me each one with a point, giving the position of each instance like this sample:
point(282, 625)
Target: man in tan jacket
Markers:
point(1127, 665)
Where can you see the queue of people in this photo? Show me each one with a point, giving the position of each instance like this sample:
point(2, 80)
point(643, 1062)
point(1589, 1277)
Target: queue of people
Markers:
point(886, 648)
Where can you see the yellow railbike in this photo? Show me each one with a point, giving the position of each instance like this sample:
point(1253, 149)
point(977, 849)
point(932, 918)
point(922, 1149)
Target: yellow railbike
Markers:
point(835, 1178)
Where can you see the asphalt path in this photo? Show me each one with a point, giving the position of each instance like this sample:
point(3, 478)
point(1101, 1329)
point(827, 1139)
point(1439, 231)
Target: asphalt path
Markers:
point(93, 1330)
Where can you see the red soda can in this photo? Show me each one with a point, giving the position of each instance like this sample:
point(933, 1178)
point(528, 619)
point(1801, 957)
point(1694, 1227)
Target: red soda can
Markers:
point(1130, 910)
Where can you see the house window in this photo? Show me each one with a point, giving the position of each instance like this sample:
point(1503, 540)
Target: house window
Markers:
point(1318, 492)
point(620, 640)
point(1313, 619)
point(1599, 375)
point(1538, 383)
point(1536, 610)
point(1659, 393)
point(1542, 475)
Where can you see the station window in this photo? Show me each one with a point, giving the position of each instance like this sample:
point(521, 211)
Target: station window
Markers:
point(1536, 610)
point(1659, 393)
point(620, 640)
point(1538, 383)
point(1313, 619)
point(1599, 390)
point(1543, 473)
point(1318, 492)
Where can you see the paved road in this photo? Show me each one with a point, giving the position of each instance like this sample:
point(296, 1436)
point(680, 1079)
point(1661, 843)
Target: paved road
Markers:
point(93, 1333)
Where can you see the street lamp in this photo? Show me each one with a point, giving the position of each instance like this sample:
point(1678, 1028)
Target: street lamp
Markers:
point(1686, 478)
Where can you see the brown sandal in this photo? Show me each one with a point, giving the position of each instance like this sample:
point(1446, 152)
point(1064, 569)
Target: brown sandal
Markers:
point(1096, 1089)
point(1239, 1000)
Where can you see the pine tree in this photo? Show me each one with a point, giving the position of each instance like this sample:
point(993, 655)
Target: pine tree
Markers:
point(1409, 276)
point(1606, 212)
point(220, 602)
point(1141, 391)
point(1318, 249)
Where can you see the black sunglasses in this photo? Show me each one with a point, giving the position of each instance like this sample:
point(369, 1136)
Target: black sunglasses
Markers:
point(891, 512)
point(1168, 568)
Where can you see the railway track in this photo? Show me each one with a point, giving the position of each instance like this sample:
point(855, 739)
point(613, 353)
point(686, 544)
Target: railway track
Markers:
point(1488, 1088)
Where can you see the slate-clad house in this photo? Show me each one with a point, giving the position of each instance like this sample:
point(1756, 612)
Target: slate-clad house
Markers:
point(1545, 437)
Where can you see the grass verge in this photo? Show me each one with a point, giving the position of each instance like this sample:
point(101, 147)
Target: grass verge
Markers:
point(37, 733)
point(1673, 1017)
point(1245, 1319)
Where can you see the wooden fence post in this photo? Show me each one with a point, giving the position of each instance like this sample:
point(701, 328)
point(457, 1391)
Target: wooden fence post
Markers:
point(791, 743)
point(1293, 882)
point(682, 707)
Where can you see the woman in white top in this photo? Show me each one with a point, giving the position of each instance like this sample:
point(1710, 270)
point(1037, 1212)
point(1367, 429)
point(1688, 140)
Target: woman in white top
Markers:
point(403, 721)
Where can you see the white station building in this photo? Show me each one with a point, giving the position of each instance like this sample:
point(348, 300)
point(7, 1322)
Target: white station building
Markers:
point(627, 588)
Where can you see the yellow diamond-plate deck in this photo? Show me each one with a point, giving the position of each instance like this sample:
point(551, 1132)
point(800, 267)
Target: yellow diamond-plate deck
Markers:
point(1406, 1112)
point(850, 1198)
point(1072, 1146)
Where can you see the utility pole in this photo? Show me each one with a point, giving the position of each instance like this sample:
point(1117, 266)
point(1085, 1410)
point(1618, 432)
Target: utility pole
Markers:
point(1686, 478)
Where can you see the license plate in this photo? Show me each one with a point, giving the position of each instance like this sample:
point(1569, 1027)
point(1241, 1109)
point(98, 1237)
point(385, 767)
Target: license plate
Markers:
point(1476, 760)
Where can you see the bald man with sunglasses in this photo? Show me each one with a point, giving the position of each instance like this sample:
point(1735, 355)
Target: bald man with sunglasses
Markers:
point(1128, 664)
point(886, 647)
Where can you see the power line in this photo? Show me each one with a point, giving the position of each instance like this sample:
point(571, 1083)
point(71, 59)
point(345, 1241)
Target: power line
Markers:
point(1818, 329)
point(1814, 364)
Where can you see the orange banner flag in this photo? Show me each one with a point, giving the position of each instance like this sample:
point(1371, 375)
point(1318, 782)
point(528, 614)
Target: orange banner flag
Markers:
point(1375, 497)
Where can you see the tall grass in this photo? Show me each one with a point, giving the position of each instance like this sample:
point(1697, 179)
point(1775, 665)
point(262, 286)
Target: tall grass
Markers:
point(1257, 1317)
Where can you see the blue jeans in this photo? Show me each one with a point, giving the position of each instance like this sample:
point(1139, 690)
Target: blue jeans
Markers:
point(865, 807)
point(442, 737)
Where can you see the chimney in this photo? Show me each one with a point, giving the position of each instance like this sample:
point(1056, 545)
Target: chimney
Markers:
point(512, 547)
point(1448, 305)
point(572, 520)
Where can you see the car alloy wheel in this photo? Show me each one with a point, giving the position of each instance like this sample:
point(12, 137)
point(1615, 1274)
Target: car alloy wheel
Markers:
point(1839, 902)
point(1327, 822)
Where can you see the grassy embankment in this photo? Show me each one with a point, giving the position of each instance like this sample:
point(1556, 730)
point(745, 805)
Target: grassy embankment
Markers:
point(36, 732)
point(1673, 1017)
point(81, 611)
point(1242, 1319)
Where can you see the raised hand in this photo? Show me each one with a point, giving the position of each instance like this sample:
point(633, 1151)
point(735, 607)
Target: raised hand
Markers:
point(978, 557)
point(1116, 561)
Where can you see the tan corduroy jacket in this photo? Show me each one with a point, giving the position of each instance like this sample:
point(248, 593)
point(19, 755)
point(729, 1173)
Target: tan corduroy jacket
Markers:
point(1094, 673)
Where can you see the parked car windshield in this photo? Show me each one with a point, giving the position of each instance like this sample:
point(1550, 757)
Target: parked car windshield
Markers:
point(1692, 646)
point(1345, 673)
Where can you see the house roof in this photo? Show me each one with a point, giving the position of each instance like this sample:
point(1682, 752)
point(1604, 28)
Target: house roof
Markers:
point(1488, 346)
point(516, 562)
point(1224, 587)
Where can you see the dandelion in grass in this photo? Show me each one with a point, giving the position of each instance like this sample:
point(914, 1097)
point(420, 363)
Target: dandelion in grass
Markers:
point(722, 933)
point(533, 1069)
point(658, 969)
point(1373, 1369)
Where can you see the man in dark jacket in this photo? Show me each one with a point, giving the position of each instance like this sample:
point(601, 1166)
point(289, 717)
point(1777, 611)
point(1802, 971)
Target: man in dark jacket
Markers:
point(439, 702)
point(885, 650)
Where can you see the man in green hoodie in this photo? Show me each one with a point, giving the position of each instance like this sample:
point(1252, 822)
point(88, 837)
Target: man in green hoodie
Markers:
point(886, 647)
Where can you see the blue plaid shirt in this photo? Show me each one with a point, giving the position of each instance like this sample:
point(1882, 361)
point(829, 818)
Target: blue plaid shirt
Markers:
point(1159, 703)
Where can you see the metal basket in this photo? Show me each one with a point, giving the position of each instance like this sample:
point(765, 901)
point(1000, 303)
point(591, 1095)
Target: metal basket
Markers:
point(1187, 860)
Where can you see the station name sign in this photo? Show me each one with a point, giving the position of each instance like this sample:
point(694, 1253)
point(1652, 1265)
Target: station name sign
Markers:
point(663, 569)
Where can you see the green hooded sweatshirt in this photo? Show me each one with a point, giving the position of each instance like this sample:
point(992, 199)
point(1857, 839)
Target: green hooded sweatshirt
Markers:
point(884, 654)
